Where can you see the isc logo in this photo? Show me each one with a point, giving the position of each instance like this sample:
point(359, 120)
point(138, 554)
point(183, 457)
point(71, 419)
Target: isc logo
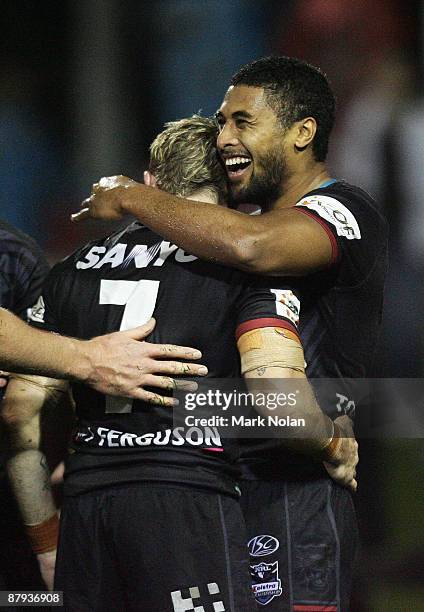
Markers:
point(263, 545)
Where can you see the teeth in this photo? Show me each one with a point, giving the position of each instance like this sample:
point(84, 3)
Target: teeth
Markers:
point(236, 160)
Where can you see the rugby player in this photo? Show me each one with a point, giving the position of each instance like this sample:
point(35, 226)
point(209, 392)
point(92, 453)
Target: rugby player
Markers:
point(131, 478)
point(115, 363)
point(275, 122)
point(23, 268)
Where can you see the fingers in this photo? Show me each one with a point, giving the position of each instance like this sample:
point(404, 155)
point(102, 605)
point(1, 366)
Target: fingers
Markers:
point(344, 475)
point(161, 350)
point(153, 398)
point(179, 369)
point(81, 215)
point(174, 351)
point(149, 179)
point(165, 382)
point(140, 332)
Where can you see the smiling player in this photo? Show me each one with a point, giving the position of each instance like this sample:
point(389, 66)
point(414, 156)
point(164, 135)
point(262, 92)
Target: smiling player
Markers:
point(275, 122)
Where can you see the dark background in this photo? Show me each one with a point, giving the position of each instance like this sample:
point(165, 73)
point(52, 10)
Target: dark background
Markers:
point(85, 86)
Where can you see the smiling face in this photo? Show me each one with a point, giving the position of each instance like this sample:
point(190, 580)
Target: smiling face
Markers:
point(251, 143)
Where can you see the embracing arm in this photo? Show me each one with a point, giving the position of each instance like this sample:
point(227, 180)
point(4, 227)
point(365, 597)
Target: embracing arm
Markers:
point(26, 349)
point(269, 357)
point(281, 242)
point(115, 364)
point(28, 401)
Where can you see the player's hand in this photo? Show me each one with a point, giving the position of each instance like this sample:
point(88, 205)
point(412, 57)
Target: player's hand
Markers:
point(122, 364)
point(46, 563)
point(149, 179)
point(107, 199)
point(342, 467)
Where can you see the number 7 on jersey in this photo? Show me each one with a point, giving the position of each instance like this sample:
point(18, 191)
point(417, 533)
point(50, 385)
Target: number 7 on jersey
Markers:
point(139, 299)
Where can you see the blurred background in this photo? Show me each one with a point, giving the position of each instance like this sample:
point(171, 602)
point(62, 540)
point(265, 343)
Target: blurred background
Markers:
point(84, 88)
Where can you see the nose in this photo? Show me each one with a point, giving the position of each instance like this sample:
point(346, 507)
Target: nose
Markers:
point(227, 136)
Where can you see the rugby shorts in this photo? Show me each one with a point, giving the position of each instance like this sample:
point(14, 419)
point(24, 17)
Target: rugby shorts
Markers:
point(302, 539)
point(155, 548)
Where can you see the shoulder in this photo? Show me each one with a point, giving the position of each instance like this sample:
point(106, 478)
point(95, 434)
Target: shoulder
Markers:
point(96, 248)
point(350, 210)
point(17, 244)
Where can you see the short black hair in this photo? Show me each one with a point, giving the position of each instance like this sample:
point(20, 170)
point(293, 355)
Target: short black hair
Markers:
point(294, 90)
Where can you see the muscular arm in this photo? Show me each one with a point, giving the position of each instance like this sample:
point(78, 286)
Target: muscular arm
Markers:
point(26, 349)
point(26, 398)
point(114, 364)
point(276, 359)
point(28, 401)
point(279, 243)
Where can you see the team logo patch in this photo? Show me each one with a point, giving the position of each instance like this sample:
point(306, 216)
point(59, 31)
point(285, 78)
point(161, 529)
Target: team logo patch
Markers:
point(336, 213)
point(263, 545)
point(266, 584)
point(287, 304)
point(36, 313)
point(314, 568)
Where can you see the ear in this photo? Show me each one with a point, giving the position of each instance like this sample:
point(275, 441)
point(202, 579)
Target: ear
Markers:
point(306, 130)
point(149, 179)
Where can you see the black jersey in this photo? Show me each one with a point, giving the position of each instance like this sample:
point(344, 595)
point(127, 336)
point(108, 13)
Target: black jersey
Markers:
point(120, 282)
point(23, 269)
point(341, 306)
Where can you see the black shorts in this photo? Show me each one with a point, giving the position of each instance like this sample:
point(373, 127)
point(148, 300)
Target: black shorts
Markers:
point(302, 541)
point(154, 548)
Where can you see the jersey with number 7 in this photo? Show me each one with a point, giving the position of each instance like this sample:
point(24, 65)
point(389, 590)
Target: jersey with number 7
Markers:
point(120, 282)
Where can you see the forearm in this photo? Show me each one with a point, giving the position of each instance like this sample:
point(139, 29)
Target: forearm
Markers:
point(273, 365)
point(30, 480)
point(25, 349)
point(309, 430)
point(210, 232)
point(27, 400)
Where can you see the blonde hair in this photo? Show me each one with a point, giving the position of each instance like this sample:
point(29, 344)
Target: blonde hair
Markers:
point(184, 159)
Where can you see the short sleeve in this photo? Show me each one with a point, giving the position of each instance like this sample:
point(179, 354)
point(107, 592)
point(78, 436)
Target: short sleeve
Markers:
point(44, 312)
point(265, 303)
point(23, 270)
point(356, 229)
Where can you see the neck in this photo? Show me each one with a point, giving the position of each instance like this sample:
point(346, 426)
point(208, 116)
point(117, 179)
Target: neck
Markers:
point(300, 183)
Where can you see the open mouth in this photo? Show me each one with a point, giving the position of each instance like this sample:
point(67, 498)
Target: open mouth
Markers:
point(236, 166)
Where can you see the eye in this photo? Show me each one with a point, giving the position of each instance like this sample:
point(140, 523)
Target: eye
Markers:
point(241, 122)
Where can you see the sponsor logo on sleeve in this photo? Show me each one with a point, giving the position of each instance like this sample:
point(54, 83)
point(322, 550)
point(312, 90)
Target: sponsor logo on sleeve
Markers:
point(36, 313)
point(335, 213)
point(287, 304)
